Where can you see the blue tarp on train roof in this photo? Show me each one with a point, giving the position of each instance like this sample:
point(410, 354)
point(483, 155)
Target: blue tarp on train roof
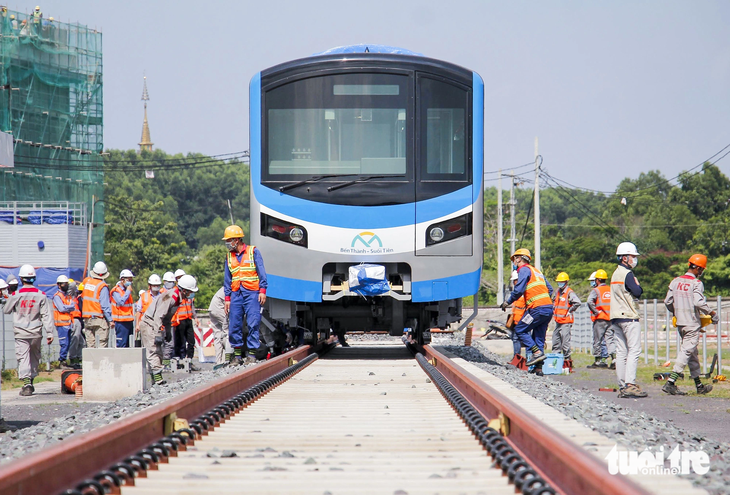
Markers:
point(363, 47)
point(46, 277)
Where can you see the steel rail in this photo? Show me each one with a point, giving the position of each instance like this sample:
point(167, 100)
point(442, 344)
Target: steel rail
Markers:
point(565, 465)
point(70, 462)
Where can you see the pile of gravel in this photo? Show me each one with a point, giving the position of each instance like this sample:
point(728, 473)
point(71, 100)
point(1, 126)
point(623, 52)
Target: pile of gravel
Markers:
point(19, 443)
point(633, 429)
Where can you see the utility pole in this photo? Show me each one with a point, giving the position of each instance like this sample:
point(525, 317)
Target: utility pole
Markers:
point(230, 211)
point(512, 226)
point(538, 265)
point(500, 243)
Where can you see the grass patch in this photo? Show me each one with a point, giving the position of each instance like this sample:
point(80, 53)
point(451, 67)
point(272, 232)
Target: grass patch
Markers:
point(10, 378)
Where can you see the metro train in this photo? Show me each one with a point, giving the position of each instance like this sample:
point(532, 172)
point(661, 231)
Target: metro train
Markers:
point(367, 154)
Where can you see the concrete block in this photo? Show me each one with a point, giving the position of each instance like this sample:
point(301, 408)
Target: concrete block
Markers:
point(111, 374)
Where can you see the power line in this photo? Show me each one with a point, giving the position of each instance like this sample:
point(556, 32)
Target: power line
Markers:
point(190, 164)
point(141, 160)
point(531, 164)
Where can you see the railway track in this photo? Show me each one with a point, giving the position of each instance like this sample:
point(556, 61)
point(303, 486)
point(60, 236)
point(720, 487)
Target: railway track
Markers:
point(365, 419)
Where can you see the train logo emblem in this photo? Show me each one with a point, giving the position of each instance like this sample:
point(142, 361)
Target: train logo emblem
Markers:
point(370, 235)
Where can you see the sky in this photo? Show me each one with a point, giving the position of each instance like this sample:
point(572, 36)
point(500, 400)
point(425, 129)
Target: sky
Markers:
point(610, 88)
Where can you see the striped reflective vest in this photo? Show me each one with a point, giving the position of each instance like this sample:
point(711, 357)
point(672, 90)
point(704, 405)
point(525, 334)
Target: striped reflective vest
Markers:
point(91, 307)
point(562, 307)
point(76, 313)
point(122, 312)
point(537, 293)
point(184, 312)
point(63, 319)
point(603, 303)
point(243, 273)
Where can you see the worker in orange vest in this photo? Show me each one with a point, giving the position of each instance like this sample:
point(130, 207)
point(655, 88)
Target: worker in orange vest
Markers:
point(183, 329)
point(63, 308)
point(244, 286)
point(123, 308)
point(76, 338)
point(537, 291)
point(599, 304)
point(97, 309)
point(154, 289)
point(565, 303)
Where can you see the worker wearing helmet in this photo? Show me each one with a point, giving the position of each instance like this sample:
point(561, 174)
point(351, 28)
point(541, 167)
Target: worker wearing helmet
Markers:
point(565, 303)
point(244, 286)
point(31, 316)
point(154, 289)
point(532, 328)
point(97, 309)
point(686, 301)
point(599, 304)
point(12, 282)
point(3, 291)
point(76, 337)
point(123, 308)
point(168, 280)
point(63, 308)
point(518, 310)
point(624, 312)
point(183, 331)
point(156, 325)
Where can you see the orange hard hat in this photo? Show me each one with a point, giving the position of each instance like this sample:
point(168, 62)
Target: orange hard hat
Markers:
point(232, 232)
point(698, 260)
point(522, 252)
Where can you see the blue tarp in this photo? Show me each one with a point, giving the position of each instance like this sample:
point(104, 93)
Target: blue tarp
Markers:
point(368, 280)
point(46, 277)
point(7, 217)
point(370, 48)
point(52, 217)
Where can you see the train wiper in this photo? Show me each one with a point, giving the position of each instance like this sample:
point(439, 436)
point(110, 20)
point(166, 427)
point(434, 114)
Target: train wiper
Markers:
point(311, 179)
point(361, 179)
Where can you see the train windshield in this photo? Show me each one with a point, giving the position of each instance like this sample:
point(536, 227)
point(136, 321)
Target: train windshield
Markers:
point(344, 124)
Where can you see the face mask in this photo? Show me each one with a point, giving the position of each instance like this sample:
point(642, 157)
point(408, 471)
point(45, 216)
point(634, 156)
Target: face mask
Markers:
point(169, 285)
point(633, 262)
point(63, 288)
point(514, 267)
point(593, 283)
point(191, 296)
point(127, 283)
point(155, 289)
point(12, 288)
point(231, 246)
point(561, 285)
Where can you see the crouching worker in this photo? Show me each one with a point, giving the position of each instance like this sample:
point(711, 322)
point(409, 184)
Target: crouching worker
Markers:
point(31, 315)
point(156, 324)
point(686, 300)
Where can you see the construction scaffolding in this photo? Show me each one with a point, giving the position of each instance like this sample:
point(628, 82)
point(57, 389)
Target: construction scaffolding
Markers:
point(51, 103)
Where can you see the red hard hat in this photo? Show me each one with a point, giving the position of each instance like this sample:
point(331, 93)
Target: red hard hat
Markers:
point(698, 260)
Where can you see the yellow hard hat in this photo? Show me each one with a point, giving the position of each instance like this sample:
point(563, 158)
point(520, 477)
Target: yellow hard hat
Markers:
point(71, 281)
point(81, 286)
point(562, 277)
point(705, 320)
point(601, 273)
point(522, 252)
point(232, 232)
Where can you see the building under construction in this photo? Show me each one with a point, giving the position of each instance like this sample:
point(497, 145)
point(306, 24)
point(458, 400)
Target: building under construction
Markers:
point(51, 118)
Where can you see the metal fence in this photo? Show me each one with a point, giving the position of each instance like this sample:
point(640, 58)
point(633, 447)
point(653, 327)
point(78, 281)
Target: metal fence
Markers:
point(660, 340)
point(38, 212)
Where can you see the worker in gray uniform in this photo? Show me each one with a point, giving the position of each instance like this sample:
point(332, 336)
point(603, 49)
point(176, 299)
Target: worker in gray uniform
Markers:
point(686, 301)
point(219, 322)
point(32, 314)
point(156, 324)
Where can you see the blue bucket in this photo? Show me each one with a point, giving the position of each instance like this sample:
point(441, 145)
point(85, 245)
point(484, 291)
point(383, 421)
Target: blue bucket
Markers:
point(553, 364)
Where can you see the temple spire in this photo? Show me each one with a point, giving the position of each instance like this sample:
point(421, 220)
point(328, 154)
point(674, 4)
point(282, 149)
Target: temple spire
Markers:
point(146, 143)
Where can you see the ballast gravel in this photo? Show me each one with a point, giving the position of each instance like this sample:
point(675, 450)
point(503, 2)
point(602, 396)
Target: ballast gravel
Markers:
point(15, 444)
point(633, 429)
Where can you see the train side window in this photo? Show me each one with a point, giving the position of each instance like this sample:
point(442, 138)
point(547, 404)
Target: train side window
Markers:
point(444, 130)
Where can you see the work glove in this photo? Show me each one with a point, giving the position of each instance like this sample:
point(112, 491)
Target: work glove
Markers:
point(168, 334)
point(715, 317)
point(159, 340)
point(504, 306)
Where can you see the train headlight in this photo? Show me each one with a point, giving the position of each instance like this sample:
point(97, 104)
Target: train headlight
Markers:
point(436, 234)
point(296, 234)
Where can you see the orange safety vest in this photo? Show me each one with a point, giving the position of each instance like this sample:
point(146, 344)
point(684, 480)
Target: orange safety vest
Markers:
point(603, 303)
point(518, 309)
point(243, 273)
point(537, 293)
point(562, 307)
point(63, 319)
point(92, 290)
point(146, 299)
point(184, 312)
point(122, 312)
point(76, 313)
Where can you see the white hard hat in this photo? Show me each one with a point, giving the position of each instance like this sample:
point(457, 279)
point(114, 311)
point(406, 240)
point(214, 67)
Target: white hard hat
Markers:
point(3, 285)
point(626, 248)
point(141, 292)
point(100, 270)
point(26, 271)
point(592, 277)
point(154, 280)
point(514, 275)
point(126, 274)
point(62, 279)
point(188, 282)
point(168, 277)
point(179, 273)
